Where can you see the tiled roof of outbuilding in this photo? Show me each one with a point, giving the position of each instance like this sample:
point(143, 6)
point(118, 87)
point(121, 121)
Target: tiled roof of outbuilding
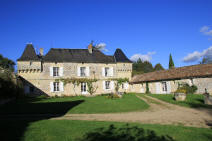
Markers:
point(29, 54)
point(194, 71)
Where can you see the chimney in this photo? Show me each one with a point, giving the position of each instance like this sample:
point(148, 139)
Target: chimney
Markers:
point(41, 51)
point(90, 47)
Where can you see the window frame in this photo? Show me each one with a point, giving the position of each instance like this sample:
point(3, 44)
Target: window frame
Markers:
point(55, 71)
point(164, 86)
point(56, 86)
point(107, 85)
point(83, 87)
point(83, 73)
point(107, 71)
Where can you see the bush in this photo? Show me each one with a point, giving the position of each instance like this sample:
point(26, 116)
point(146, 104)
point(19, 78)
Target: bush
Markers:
point(186, 88)
point(111, 96)
point(9, 85)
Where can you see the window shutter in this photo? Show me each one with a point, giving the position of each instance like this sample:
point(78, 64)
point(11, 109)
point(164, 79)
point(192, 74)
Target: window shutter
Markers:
point(111, 71)
point(126, 85)
point(87, 71)
point(78, 71)
point(61, 86)
point(61, 71)
point(51, 71)
point(168, 87)
point(103, 85)
point(112, 85)
point(51, 87)
point(103, 71)
point(157, 88)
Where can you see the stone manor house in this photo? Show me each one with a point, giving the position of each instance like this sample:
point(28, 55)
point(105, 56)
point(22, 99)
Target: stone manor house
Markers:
point(39, 73)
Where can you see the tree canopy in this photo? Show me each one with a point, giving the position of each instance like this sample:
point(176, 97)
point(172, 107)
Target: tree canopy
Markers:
point(171, 62)
point(158, 67)
point(6, 63)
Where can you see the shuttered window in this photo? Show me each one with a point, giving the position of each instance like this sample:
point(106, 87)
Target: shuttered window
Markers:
point(55, 71)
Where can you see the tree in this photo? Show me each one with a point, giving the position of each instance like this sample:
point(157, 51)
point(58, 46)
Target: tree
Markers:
point(158, 67)
point(6, 63)
point(140, 67)
point(171, 62)
point(206, 60)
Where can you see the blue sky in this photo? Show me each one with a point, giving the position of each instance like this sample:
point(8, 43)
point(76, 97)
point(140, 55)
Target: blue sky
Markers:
point(143, 28)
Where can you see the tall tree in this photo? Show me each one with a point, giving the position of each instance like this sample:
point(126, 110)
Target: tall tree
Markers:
point(158, 67)
point(171, 62)
point(6, 63)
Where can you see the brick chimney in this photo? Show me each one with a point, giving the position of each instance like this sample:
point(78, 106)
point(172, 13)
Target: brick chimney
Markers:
point(41, 51)
point(90, 47)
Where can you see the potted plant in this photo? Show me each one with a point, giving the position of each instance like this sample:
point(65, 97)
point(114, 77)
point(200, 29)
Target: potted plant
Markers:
point(180, 95)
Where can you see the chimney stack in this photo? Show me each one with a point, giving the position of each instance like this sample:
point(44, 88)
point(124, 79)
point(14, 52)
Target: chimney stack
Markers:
point(90, 47)
point(41, 51)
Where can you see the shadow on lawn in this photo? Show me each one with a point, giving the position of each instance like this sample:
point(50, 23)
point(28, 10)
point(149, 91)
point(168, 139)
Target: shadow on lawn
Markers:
point(13, 123)
point(125, 133)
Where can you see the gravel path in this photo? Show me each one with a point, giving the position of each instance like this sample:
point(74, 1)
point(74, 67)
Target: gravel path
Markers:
point(160, 112)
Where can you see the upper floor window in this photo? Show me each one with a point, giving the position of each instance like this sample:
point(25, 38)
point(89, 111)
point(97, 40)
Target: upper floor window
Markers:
point(107, 84)
point(55, 71)
point(56, 86)
point(107, 71)
point(82, 71)
point(164, 86)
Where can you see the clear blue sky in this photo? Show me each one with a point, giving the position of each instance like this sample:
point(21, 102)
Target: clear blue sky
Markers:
point(137, 27)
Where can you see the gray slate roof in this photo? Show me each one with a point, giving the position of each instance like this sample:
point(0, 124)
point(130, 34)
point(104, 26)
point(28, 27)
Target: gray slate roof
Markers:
point(74, 55)
point(121, 57)
point(29, 54)
point(77, 55)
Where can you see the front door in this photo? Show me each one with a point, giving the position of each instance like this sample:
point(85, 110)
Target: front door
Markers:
point(83, 88)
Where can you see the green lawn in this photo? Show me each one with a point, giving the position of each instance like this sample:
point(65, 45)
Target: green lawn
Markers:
point(79, 104)
point(192, 100)
point(71, 130)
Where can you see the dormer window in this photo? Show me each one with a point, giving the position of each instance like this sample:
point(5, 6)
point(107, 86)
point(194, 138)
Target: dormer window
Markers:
point(55, 71)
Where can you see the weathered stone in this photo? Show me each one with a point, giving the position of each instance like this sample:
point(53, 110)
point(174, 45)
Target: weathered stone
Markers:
point(180, 96)
point(208, 99)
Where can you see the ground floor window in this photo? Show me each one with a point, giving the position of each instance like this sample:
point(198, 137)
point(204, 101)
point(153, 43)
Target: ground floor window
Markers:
point(107, 84)
point(164, 86)
point(83, 87)
point(56, 86)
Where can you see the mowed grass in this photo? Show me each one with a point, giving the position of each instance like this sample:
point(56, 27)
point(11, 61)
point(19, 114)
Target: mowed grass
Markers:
point(72, 130)
point(78, 104)
point(192, 100)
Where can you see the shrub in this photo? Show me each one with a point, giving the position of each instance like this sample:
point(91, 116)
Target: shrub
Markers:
point(186, 88)
point(112, 96)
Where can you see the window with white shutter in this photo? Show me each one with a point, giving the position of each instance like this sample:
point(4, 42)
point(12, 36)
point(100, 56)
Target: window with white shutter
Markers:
point(55, 71)
point(51, 87)
point(61, 71)
point(61, 87)
point(103, 71)
point(51, 71)
point(87, 71)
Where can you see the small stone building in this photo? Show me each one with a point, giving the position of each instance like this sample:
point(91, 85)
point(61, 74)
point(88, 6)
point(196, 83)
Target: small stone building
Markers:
point(167, 81)
point(40, 72)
